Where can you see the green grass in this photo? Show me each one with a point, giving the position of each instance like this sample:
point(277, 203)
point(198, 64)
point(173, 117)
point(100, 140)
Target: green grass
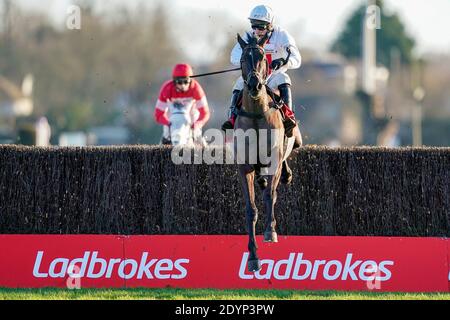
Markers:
point(207, 294)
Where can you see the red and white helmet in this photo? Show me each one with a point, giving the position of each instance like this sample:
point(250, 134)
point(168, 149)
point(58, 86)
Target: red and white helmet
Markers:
point(182, 70)
point(262, 13)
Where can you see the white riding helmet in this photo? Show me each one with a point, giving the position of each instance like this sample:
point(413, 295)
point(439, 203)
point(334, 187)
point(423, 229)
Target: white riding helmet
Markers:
point(262, 13)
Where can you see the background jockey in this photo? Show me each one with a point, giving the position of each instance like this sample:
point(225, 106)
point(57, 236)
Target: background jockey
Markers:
point(183, 92)
point(261, 19)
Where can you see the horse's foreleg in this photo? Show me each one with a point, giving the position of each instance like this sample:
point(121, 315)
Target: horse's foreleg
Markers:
point(251, 218)
point(270, 198)
point(286, 174)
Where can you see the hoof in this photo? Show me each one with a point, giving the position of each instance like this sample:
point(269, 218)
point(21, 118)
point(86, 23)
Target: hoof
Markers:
point(286, 178)
point(254, 265)
point(286, 175)
point(262, 182)
point(270, 236)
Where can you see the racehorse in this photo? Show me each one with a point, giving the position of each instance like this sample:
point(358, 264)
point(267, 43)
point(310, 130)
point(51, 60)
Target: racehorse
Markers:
point(257, 113)
point(181, 115)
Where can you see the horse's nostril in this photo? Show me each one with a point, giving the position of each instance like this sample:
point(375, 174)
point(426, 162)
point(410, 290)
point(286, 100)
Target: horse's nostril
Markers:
point(259, 87)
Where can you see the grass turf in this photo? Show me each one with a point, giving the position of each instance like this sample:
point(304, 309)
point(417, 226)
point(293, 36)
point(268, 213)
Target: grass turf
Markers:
point(207, 294)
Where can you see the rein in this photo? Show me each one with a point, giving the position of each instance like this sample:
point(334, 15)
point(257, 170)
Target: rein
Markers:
point(261, 79)
point(275, 106)
point(215, 72)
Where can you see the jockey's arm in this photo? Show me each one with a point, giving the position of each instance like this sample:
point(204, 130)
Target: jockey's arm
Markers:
point(204, 114)
point(160, 114)
point(295, 59)
point(236, 54)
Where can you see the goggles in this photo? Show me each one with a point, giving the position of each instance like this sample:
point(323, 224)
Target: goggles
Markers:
point(182, 81)
point(260, 27)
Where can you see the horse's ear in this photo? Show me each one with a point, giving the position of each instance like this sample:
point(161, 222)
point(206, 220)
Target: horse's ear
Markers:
point(263, 40)
point(241, 41)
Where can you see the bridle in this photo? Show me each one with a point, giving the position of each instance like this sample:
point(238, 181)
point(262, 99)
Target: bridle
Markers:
point(262, 78)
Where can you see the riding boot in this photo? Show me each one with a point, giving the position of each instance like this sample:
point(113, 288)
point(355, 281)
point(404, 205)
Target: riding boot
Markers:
point(289, 121)
point(232, 114)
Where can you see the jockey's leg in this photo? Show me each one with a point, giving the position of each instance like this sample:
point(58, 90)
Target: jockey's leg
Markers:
point(289, 117)
point(282, 82)
point(232, 114)
point(290, 123)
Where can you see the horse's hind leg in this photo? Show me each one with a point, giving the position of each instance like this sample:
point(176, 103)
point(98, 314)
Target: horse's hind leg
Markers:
point(270, 198)
point(253, 264)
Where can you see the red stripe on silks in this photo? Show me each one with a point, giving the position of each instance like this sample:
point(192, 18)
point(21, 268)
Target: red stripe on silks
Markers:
point(203, 117)
point(161, 117)
point(269, 60)
point(287, 112)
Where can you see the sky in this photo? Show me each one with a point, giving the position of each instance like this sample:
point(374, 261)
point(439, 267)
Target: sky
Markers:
point(428, 21)
point(315, 22)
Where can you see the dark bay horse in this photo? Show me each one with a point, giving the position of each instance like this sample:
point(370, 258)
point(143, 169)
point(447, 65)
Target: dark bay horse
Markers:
point(257, 114)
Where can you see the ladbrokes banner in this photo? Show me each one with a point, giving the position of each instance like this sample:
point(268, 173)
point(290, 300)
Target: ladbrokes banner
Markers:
point(313, 263)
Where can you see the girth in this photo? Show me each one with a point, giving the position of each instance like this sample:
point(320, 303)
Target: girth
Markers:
point(277, 104)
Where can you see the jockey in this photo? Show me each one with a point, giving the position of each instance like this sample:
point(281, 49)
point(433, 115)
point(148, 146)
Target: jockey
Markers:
point(183, 92)
point(261, 19)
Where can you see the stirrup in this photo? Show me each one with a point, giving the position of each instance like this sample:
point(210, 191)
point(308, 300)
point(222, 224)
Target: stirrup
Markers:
point(227, 125)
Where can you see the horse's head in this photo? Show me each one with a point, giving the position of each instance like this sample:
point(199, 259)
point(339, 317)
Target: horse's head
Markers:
point(254, 64)
point(180, 119)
